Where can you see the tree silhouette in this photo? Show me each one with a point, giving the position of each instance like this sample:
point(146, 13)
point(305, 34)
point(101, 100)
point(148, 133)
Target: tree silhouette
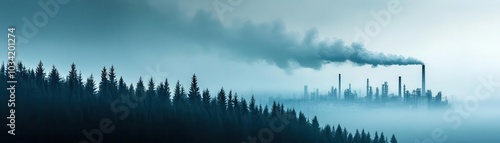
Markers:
point(315, 123)
point(177, 93)
point(357, 137)
point(393, 139)
point(72, 79)
point(122, 87)
point(382, 138)
point(112, 83)
point(376, 138)
point(139, 91)
point(90, 88)
point(363, 136)
point(54, 81)
point(194, 91)
point(145, 114)
point(206, 98)
point(103, 85)
point(151, 89)
point(350, 139)
point(39, 73)
point(167, 92)
point(221, 99)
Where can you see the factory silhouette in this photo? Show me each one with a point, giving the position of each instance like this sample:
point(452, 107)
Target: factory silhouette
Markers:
point(418, 99)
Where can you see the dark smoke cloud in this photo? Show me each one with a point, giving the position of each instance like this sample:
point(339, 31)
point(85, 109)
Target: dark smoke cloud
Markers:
point(272, 43)
point(164, 24)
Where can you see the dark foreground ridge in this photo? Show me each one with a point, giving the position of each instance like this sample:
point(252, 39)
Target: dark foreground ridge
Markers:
point(68, 109)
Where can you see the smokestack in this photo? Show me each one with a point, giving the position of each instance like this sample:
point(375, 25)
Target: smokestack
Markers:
point(340, 86)
point(423, 80)
point(367, 87)
point(404, 90)
point(399, 87)
point(405, 98)
point(306, 92)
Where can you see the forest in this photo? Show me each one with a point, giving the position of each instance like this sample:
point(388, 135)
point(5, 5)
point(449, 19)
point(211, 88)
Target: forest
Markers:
point(54, 107)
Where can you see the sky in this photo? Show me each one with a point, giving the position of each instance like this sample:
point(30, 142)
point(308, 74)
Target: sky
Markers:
point(262, 46)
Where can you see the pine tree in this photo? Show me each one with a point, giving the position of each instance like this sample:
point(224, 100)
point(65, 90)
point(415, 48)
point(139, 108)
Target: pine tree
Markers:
point(344, 133)
point(72, 76)
point(244, 107)
point(338, 134)
point(177, 93)
point(376, 138)
point(160, 91)
point(253, 108)
point(363, 136)
point(31, 74)
point(357, 137)
point(21, 71)
point(163, 92)
point(131, 89)
point(151, 89)
point(302, 118)
point(103, 85)
point(80, 84)
point(315, 123)
point(350, 139)
point(39, 73)
point(235, 102)
point(274, 109)
point(194, 91)
point(229, 99)
point(368, 138)
point(139, 91)
point(206, 97)
point(327, 134)
point(183, 93)
point(265, 112)
point(90, 86)
point(167, 91)
point(382, 138)
point(221, 99)
point(112, 82)
point(393, 139)
point(122, 87)
point(150, 95)
point(54, 80)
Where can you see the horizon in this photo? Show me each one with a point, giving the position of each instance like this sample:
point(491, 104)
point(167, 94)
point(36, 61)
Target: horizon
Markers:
point(193, 57)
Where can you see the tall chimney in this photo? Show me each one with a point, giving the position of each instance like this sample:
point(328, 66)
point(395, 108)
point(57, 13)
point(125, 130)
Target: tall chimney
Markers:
point(404, 93)
point(423, 80)
point(367, 87)
point(399, 87)
point(340, 85)
point(306, 92)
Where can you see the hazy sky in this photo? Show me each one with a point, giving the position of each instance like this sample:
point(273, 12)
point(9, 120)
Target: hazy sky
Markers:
point(249, 51)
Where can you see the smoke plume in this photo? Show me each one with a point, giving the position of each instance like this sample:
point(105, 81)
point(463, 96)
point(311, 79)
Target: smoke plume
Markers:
point(271, 42)
point(170, 27)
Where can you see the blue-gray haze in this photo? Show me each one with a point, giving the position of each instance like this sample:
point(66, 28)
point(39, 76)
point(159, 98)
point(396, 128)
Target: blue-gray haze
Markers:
point(274, 48)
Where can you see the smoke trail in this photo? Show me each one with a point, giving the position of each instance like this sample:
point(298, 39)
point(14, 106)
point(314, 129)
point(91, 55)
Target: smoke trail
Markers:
point(270, 42)
point(356, 53)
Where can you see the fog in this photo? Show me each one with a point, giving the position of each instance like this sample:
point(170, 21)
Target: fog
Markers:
point(458, 123)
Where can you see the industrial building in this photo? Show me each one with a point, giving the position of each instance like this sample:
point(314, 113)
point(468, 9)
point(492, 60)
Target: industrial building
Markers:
point(419, 98)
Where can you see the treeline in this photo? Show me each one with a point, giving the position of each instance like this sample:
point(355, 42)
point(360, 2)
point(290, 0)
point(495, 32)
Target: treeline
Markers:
point(52, 108)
